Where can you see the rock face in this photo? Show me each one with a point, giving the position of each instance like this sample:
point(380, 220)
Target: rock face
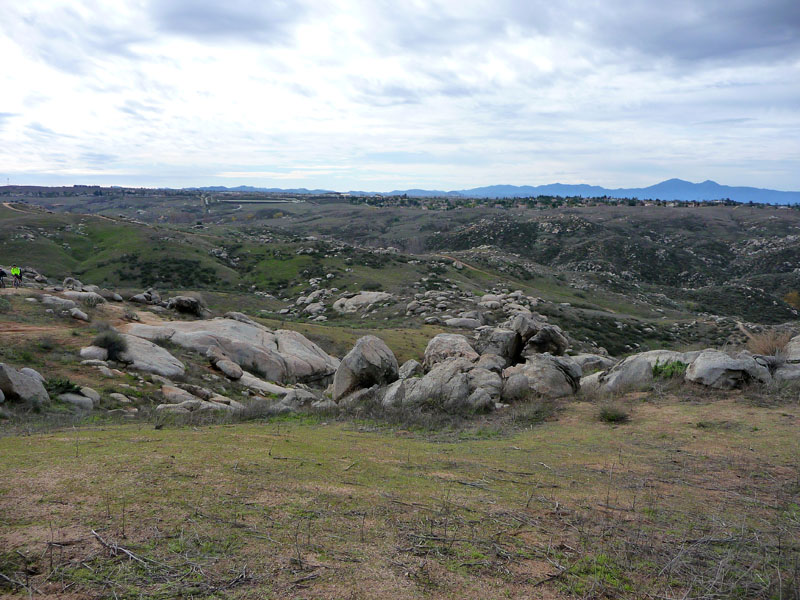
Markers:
point(360, 301)
point(792, 350)
point(410, 368)
point(447, 345)
point(369, 363)
point(282, 356)
point(22, 387)
point(718, 370)
point(543, 375)
point(143, 355)
point(77, 400)
point(94, 353)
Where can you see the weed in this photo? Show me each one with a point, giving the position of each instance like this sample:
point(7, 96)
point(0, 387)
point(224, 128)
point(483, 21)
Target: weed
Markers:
point(669, 370)
point(5, 305)
point(613, 413)
point(768, 343)
point(112, 341)
point(61, 385)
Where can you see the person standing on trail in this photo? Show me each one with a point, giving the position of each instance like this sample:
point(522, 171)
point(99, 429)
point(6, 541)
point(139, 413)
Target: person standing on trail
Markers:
point(2, 275)
point(16, 273)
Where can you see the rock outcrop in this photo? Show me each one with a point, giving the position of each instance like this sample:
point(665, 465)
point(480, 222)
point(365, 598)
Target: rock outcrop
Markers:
point(360, 301)
point(282, 356)
point(543, 375)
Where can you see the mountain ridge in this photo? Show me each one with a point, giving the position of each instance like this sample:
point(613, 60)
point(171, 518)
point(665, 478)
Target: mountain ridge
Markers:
point(670, 189)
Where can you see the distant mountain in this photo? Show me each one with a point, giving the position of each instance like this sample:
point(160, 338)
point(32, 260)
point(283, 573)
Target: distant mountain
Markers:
point(250, 188)
point(672, 189)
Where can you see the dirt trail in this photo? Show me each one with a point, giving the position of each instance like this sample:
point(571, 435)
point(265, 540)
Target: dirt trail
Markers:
point(466, 265)
point(9, 328)
point(8, 205)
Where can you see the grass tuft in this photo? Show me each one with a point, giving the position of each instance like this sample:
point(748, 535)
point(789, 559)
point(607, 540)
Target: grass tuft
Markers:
point(768, 343)
point(613, 413)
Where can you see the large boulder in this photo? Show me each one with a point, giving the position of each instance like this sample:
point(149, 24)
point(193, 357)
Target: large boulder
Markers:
point(360, 301)
point(463, 323)
point(143, 355)
point(57, 302)
point(94, 353)
point(91, 298)
point(543, 375)
point(410, 368)
point(282, 356)
point(447, 345)
point(718, 370)
point(77, 400)
point(505, 343)
point(369, 363)
point(21, 387)
point(186, 304)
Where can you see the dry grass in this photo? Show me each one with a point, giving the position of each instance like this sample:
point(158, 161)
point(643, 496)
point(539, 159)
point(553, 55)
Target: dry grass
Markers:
point(694, 499)
point(768, 343)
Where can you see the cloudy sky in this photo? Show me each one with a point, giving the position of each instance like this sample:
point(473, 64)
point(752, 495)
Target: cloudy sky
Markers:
point(381, 94)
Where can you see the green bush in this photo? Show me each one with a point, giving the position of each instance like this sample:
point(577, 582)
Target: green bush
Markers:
point(612, 413)
point(5, 305)
point(669, 370)
point(113, 342)
point(61, 385)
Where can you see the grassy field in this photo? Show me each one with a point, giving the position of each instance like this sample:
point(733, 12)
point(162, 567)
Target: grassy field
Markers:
point(693, 497)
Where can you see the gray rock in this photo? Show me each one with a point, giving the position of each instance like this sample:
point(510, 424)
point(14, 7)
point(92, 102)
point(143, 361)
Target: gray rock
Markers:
point(636, 371)
point(33, 373)
point(283, 356)
point(410, 368)
point(172, 408)
point(463, 323)
point(548, 339)
point(480, 401)
point(369, 363)
point(448, 345)
point(492, 362)
point(122, 398)
point(91, 362)
point(58, 303)
point(547, 376)
point(593, 362)
point(488, 381)
point(229, 368)
point(315, 308)
point(787, 372)
point(361, 301)
point(77, 313)
point(94, 353)
point(505, 343)
point(77, 400)
point(254, 383)
point(18, 386)
point(186, 304)
point(70, 283)
point(92, 394)
point(176, 395)
point(446, 387)
point(143, 355)
point(92, 298)
point(792, 351)
point(718, 370)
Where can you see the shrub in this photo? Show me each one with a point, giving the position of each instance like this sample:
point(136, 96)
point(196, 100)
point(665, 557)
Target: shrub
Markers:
point(613, 413)
point(669, 370)
point(769, 343)
point(92, 301)
point(5, 305)
point(372, 286)
point(113, 342)
point(792, 299)
point(61, 385)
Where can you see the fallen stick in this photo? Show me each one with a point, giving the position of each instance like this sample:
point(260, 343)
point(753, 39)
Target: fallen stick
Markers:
point(116, 549)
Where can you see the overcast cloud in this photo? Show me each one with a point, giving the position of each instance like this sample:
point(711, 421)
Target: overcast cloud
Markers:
point(380, 95)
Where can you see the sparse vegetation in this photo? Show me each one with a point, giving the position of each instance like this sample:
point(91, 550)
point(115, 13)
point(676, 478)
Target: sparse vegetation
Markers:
point(112, 341)
point(613, 413)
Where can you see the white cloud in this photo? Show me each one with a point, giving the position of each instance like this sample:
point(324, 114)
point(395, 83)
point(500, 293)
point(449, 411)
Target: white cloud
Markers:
point(437, 94)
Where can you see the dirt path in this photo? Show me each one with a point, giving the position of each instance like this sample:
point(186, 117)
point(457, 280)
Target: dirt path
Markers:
point(8, 205)
point(466, 265)
point(9, 328)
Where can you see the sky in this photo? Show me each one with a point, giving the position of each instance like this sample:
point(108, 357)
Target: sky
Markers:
point(379, 95)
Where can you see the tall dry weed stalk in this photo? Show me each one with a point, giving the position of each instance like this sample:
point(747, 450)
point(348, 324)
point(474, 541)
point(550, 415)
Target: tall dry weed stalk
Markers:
point(768, 343)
